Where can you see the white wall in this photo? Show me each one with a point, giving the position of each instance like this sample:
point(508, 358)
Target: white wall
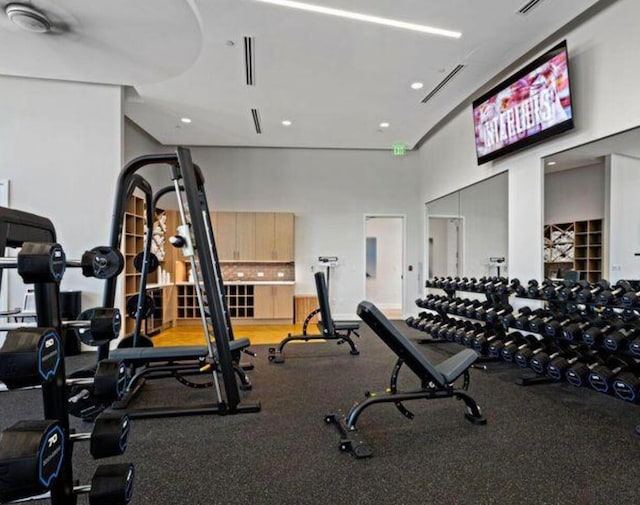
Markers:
point(385, 289)
point(329, 191)
point(604, 83)
point(439, 250)
point(624, 223)
point(576, 194)
point(60, 146)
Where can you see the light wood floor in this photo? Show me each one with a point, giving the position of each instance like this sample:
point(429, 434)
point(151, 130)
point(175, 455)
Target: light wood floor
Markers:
point(192, 335)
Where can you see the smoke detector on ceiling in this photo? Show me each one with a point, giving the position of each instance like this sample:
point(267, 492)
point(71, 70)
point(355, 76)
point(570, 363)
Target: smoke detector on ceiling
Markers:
point(27, 18)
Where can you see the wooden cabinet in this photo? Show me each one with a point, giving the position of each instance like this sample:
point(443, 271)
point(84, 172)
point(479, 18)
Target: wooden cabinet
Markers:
point(235, 235)
point(134, 228)
point(274, 236)
point(273, 302)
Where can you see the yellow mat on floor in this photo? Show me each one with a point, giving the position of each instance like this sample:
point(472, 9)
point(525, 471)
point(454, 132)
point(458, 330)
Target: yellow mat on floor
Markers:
point(267, 334)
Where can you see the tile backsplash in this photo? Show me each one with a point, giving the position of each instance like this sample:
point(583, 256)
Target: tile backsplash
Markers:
point(258, 271)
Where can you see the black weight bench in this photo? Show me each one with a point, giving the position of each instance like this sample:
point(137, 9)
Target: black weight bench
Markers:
point(329, 329)
point(163, 362)
point(437, 381)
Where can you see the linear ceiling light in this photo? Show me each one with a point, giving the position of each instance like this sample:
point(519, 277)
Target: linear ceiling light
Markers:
point(364, 17)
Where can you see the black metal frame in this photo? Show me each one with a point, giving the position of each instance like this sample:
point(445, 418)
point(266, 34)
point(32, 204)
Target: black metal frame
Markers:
point(329, 329)
point(433, 385)
point(189, 178)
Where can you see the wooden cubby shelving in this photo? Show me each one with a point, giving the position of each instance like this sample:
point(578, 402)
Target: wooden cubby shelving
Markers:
point(576, 246)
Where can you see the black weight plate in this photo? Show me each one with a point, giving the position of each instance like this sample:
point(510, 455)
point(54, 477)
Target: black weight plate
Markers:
point(138, 262)
point(102, 262)
point(147, 306)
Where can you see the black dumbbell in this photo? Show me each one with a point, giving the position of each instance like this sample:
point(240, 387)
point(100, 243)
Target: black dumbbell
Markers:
point(30, 357)
point(551, 289)
point(525, 355)
point(518, 288)
point(482, 341)
point(579, 367)
point(575, 331)
point(539, 323)
point(495, 314)
point(602, 376)
point(619, 340)
point(109, 435)
point(554, 327)
point(540, 362)
point(31, 459)
point(611, 295)
point(533, 289)
point(468, 334)
point(88, 396)
point(509, 351)
point(627, 386)
point(496, 347)
point(596, 333)
point(630, 300)
point(523, 320)
point(587, 295)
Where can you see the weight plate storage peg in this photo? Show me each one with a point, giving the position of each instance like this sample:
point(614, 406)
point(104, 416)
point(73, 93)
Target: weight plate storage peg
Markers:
point(31, 455)
point(29, 357)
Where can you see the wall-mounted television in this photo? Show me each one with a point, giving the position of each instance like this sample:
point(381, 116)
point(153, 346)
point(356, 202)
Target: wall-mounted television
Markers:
point(532, 105)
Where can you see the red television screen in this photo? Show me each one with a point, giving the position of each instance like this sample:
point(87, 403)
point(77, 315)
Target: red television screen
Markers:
point(532, 105)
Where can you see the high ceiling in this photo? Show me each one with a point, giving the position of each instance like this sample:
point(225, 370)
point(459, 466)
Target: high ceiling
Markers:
point(335, 79)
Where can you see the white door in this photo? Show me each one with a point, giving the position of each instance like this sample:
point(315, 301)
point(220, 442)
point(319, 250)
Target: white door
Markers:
point(385, 263)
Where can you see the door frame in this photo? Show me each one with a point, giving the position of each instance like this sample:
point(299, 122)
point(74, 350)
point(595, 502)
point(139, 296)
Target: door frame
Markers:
point(366, 217)
point(461, 257)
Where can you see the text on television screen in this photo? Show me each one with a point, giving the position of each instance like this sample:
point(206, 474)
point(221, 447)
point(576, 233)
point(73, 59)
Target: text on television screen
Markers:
point(537, 101)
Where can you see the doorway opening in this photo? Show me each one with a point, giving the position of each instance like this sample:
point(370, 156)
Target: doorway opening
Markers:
point(384, 279)
point(445, 246)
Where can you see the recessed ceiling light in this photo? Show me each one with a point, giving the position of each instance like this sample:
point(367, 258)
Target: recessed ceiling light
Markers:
point(27, 18)
point(417, 85)
point(185, 120)
point(384, 124)
point(286, 122)
point(551, 163)
point(364, 17)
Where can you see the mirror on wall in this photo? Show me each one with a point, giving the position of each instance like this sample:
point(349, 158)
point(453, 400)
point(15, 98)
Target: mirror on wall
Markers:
point(467, 231)
point(590, 212)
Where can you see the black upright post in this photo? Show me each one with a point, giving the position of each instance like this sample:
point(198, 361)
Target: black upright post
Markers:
point(47, 298)
point(205, 242)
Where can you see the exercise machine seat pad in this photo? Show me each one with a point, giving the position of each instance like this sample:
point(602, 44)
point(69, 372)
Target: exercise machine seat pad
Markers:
point(173, 353)
point(457, 364)
point(409, 353)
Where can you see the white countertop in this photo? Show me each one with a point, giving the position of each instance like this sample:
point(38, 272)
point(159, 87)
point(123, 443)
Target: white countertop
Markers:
point(243, 283)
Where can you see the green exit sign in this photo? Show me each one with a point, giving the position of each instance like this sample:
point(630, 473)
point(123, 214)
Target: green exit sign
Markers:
point(399, 149)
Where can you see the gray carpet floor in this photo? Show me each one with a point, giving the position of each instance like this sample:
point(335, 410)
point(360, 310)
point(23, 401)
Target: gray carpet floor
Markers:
point(549, 444)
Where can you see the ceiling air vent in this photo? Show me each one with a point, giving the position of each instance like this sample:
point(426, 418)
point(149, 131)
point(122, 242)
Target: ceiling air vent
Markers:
point(524, 10)
point(249, 61)
point(256, 121)
point(443, 83)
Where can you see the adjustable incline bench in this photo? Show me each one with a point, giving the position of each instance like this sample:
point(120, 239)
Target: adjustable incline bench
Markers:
point(437, 381)
point(329, 329)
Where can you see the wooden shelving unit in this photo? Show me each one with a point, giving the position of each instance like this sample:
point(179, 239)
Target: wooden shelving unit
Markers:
point(240, 302)
point(134, 227)
point(574, 246)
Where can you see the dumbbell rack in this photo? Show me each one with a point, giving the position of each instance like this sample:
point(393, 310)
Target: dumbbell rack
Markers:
point(50, 469)
point(592, 311)
point(494, 298)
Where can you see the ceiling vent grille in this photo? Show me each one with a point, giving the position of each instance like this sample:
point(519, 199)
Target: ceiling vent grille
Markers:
point(526, 8)
point(443, 83)
point(249, 61)
point(256, 120)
